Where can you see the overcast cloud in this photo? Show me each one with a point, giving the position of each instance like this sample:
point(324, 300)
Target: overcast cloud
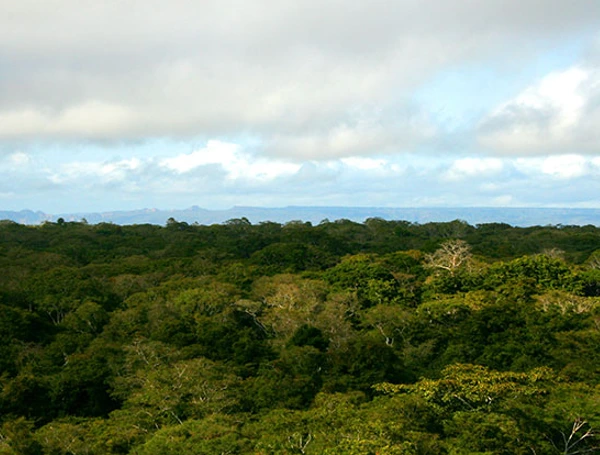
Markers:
point(123, 104)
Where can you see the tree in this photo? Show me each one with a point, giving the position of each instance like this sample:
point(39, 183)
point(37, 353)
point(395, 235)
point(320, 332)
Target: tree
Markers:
point(571, 418)
point(163, 392)
point(483, 411)
point(288, 303)
point(593, 261)
point(547, 272)
point(452, 256)
point(373, 283)
point(577, 440)
point(216, 434)
point(16, 438)
point(465, 387)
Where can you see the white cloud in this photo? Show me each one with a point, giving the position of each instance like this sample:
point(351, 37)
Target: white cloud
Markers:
point(561, 167)
point(528, 166)
point(565, 166)
point(365, 164)
point(215, 152)
point(19, 159)
point(90, 172)
point(236, 163)
point(365, 132)
point(556, 115)
point(95, 120)
point(558, 91)
point(466, 168)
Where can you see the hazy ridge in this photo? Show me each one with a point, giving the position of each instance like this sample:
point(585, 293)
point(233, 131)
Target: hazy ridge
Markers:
point(195, 214)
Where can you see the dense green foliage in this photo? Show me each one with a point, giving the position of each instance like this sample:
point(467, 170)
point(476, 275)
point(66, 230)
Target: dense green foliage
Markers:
point(383, 337)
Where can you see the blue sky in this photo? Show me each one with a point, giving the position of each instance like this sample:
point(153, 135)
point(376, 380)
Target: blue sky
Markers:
point(120, 105)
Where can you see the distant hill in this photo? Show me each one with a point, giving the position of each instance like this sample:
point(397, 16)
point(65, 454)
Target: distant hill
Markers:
point(195, 214)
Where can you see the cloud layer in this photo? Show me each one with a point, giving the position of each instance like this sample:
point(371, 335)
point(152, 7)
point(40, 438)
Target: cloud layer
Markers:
point(558, 114)
point(311, 78)
point(388, 102)
point(224, 174)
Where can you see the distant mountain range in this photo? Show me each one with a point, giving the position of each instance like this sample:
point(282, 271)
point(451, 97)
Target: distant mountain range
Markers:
point(195, 214)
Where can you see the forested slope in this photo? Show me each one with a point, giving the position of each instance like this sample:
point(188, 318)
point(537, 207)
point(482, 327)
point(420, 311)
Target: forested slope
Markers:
point(382, 337)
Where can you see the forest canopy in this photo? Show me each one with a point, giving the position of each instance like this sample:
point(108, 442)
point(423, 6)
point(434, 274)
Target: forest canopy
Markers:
point(382, 337)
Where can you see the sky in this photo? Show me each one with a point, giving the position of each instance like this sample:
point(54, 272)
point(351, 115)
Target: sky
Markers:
point(129, 104)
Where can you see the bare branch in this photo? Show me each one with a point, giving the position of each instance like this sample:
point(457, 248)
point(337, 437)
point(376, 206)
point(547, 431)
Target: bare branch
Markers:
point(451, 256)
